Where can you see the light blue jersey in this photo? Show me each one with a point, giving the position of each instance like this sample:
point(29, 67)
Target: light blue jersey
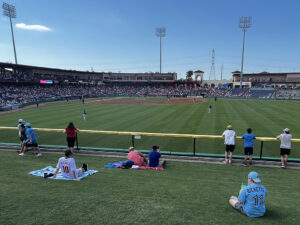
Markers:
point(249, 139)
point(253, 199)
point(31, 133)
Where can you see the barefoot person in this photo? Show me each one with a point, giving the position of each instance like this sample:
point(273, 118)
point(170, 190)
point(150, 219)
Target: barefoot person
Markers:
point(229, 142)
point(285, 146)
point(67, 166)
point(251, 200)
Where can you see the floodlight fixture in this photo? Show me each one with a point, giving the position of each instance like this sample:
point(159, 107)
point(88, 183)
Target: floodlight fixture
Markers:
point(10, 11)
point(245, 23)
point(160, 32)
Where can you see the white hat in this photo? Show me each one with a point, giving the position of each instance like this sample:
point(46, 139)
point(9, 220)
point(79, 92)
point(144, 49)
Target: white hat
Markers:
point(21, 121)
point(286, 130)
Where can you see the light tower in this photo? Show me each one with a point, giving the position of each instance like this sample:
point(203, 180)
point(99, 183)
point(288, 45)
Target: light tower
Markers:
point(212, 73)
point(10, 11)
point(244, 24)
point(160, 32)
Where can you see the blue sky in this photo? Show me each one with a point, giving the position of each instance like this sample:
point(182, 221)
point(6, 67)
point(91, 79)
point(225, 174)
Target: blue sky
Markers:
point(119, 35)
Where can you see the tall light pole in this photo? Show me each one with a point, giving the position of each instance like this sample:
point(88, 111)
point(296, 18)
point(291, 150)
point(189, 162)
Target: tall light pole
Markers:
point(160, 32)
point(244, 24)
point(10, 11)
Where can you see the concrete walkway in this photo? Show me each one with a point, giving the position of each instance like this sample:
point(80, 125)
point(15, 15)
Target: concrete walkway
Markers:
point(191, 159)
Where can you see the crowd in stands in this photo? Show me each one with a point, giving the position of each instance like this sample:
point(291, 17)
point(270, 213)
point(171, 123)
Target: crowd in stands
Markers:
point(287, 94)
point(21, 94)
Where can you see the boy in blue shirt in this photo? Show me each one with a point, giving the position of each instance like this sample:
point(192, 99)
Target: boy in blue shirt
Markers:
point(251, 201)
point(31, 140)
point(154, 157)
point(248, 146)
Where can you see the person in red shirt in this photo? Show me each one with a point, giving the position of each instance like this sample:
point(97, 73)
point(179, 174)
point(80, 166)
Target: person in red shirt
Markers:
point(137, 157)
point(71, 131)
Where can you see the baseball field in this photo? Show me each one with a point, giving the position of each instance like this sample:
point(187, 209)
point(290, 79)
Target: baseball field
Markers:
point(184, 193)
point(266, 118)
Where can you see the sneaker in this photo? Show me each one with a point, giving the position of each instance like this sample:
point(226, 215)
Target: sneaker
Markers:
point(225, 162)
point(230, 162)
point(38, 155)
point(21, 154)
point(282, 166)
point(250, 163)
point(245, 164)
point(85, 167)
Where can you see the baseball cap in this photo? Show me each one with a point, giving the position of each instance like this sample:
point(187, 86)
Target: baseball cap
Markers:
point(21, 121)
point(28, 125)
point(254, 176)
point(286, 130)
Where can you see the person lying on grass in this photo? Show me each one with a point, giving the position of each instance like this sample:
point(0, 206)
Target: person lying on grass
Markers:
point(251, 200)
point(67, 166)
point(137, 157)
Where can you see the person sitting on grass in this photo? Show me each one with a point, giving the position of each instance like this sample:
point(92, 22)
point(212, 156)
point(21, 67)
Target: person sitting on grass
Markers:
point(136, 157)
point(248, 146)
point(67, 166)
point(154, 156)
point(251, 200)
point(31, 141)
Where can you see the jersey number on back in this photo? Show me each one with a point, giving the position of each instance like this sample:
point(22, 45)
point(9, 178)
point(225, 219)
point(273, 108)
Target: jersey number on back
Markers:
point(260, 198)
point(66, 169)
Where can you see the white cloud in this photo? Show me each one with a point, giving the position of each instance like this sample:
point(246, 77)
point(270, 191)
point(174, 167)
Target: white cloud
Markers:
point(32, 27)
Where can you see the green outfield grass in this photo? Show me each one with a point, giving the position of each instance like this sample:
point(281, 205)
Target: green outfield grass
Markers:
point(185, 193)
point(266, 118)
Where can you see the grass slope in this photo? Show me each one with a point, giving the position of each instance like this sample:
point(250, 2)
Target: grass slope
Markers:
point(266, 118)
point(185, 193)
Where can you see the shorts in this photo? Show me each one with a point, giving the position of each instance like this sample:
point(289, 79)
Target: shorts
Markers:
point(71, 141)
point(31, 145)
point(248, 151)
point(22, 138)
point(229, 148)
point(285, 151)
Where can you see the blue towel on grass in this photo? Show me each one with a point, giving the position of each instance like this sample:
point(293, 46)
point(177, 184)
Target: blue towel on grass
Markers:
point(50, 169)
point(115, 164)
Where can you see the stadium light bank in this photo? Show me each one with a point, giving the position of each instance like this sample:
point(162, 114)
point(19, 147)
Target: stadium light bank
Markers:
point(10, 11)
point(244, 23)
point(160, 32)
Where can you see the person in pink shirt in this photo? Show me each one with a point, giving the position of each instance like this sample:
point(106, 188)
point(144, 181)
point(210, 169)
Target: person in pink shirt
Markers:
point(136, 157)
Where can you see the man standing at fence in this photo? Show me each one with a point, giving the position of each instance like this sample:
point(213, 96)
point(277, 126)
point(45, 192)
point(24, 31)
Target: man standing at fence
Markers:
point(285, 146)
point(229, 141)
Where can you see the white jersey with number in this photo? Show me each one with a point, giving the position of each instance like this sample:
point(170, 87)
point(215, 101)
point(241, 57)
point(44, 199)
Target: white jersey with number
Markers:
point(66, 167)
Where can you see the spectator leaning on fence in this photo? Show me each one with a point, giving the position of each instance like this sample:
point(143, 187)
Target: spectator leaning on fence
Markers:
point(248, 146)
point(285, 146)
point(229, 141)
point(71, 131)
point(22, 132)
